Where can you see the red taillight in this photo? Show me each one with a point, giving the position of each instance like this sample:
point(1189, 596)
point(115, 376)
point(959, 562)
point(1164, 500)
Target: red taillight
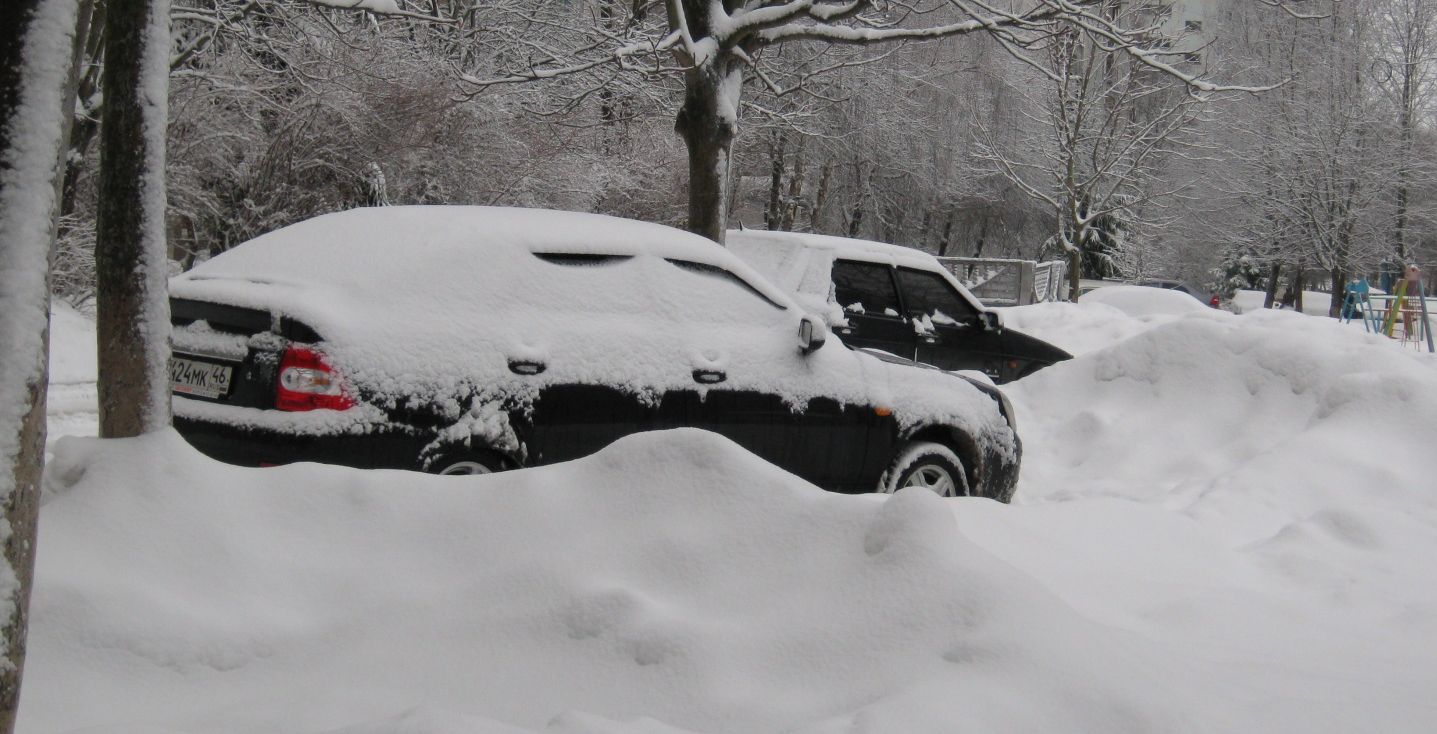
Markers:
point(307, 382)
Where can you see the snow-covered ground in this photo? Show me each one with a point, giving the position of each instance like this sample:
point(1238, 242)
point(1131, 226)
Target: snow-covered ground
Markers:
point(1224, 524)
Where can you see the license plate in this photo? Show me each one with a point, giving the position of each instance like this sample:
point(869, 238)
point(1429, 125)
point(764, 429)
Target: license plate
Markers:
point(196, 377)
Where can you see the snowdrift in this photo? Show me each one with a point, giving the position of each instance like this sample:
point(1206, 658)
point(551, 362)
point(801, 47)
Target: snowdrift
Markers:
point(1225, 524)
point(1257, 491)
point(672, 576)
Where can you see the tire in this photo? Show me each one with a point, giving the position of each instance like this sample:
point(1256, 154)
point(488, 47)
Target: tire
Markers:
point(462, 463)
point(932, 466)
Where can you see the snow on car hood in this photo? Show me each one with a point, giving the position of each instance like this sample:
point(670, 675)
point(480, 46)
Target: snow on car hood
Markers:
point(440, 300)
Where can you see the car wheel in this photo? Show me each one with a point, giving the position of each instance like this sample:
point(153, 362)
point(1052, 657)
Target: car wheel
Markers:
point(931, 466)
point(470, 462)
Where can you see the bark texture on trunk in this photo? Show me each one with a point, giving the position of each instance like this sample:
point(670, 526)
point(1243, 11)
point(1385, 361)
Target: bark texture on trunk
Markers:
point(36, 88)
point(945, 239)
point(820, 198)
point(1339, 285)
point(795, 190)
point(132, 320)
point(1075, 274)
point(707, 122)
point(1273, 280)
point(1299, 284)
point(773, 216)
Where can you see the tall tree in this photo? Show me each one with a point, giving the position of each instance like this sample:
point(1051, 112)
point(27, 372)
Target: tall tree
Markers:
point(719, 46)
point(131, 261)
point(1405, 44)
point(36, 42)
point(1113, 126)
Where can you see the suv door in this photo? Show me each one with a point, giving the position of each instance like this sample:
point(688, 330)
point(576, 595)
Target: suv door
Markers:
point(869, 298)
point(954, 337)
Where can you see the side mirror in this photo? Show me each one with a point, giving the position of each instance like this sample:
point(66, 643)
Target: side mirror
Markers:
point(812, 334)
point(992, 321)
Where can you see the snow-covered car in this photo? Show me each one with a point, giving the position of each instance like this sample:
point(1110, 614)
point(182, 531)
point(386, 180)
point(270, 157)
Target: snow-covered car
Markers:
point(1086, 286)
point(895, 299)
point(474, 339)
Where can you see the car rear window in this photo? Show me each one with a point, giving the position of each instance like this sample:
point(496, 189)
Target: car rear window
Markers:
point(580, 259)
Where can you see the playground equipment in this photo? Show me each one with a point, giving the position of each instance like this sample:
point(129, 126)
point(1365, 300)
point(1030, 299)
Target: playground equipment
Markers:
point(1408, 307)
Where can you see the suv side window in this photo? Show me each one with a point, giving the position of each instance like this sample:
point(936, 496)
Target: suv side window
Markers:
point(864, 288)
point(928, 294)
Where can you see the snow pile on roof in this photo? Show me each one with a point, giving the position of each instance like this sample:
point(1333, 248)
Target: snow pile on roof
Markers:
point(672, 576)
point(1136, 300)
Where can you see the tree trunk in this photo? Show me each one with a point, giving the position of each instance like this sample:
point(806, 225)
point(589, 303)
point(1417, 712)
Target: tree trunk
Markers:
point(1299, 284)
point(855, 217)
point(707, 122)
point(132, 313)
point(1274, 278)
point(36, 89)
point(982, 237)
point(820, 199)
point(855, 220)
point(795, 190)
point(1339, 285)
point(946, 239)
point(772, 217)
point(1075, 274)
point(89, 46)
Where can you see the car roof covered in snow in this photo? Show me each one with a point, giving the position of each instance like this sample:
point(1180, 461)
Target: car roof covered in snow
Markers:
point(391, 246)
point(844, 247)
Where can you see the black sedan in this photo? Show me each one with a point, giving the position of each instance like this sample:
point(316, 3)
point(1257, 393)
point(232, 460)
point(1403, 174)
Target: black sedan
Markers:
point(477, 339)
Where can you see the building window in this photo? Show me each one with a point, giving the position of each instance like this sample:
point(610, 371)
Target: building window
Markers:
point(1192, 26)
point(1192, 57)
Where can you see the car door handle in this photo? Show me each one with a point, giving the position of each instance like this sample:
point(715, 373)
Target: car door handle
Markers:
point(845, 330)
point(710, 377)
point(526, 366)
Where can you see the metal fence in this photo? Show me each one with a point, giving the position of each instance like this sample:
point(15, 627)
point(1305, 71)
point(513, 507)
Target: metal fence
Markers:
point(1005, 282)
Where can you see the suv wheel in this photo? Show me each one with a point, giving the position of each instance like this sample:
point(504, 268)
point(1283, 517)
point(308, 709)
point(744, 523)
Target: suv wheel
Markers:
point(932, 466)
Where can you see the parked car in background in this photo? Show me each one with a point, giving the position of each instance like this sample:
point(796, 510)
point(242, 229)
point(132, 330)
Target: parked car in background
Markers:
point(474, 339)
point(895, 299)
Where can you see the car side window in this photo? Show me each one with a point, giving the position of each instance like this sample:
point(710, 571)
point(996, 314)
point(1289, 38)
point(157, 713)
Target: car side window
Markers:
point(929, 294)
point(865, 288)
point(702, 293)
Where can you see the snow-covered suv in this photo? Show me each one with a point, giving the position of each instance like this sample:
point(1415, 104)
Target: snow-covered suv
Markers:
point(895, 299)
point(474, 339)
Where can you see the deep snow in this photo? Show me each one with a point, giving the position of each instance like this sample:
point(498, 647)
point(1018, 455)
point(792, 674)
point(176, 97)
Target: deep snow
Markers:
point(1224, 523)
